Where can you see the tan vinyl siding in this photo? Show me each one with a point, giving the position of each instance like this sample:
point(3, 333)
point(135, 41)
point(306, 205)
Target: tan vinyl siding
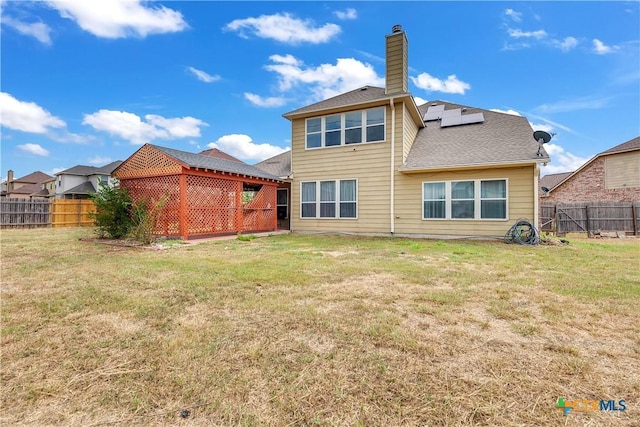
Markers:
point(622, 170)
point(410, 132)
point(368, 163)
point(397, 63)
point(520, 202)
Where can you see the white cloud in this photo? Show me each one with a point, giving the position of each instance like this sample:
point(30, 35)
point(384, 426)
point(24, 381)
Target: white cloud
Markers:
point(97, 160)
point(429, 83)
point(203, 76)
point(182, 127)
point(242, 147)
point(542, 126)
point(131, 127)
point(118, 19)
point(325, 80)
point(510, 111)
point(259, 101)
point(349, 13)
point(419, 101)
point(517, 33)
point(516, 16)
point(284, 28)
point(26, 116)
point(36, 149)
point(586, 103)
point(54, 171)
point(567, 44)
point(602, 49)
point(561, 161)
point(37, 30)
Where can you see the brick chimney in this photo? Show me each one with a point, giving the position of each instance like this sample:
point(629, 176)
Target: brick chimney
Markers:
point(397, 61)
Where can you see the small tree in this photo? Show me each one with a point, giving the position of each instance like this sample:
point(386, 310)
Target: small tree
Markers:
point(113, 211)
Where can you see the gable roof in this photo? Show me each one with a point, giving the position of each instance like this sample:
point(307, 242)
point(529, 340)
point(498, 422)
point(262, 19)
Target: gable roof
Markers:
point(36, 177)
point(214, 152)
point(357, 98)
point(83, 170)
point(551, 180)
point(501, 139)
point(215, 164)
point(278, 165)
point(631, 145)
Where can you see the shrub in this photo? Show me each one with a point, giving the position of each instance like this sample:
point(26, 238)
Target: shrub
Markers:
point(113, 211)
point(145, 215)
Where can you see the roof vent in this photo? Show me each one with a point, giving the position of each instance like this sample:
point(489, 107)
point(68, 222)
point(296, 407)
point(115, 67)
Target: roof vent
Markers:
point(396, 29)
point(363, 88)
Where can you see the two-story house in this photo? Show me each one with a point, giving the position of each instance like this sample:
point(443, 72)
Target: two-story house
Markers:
point(79, 181)
point(28, 186)
point(371, 161)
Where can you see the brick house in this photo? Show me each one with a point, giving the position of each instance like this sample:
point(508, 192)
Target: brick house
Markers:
point(611, 176)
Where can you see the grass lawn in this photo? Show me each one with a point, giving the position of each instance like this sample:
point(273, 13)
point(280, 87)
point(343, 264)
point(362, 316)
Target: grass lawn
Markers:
point(316, 330)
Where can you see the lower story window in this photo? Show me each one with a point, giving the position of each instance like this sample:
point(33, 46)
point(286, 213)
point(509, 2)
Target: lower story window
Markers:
point(329, 199)
point(471, 199)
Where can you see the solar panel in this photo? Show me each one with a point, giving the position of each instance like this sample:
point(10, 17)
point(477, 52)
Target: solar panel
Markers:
point(451, 120)
point(434, 112)
point(472, 118)
point(456, 112)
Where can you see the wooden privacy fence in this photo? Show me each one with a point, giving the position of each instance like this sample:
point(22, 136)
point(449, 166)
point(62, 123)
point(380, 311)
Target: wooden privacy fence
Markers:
point(32, 213)
point(590, 217)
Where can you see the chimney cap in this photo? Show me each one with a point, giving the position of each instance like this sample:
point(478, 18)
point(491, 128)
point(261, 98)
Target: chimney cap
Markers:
point(396, 29)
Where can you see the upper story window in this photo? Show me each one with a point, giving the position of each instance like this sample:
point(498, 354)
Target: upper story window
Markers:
point(354, 127)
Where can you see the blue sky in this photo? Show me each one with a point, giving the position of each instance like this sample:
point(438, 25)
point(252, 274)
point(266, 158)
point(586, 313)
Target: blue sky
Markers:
point(87, 82)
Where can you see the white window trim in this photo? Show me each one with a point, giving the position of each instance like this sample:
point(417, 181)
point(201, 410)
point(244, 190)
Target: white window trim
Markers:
point(477, 206)
point(363, 127)
point(337, 201)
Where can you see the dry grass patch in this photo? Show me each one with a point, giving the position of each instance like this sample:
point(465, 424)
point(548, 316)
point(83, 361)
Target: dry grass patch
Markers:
point(315, 330)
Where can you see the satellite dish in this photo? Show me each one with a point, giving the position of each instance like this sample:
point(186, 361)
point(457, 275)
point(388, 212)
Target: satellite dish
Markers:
point(542, 137)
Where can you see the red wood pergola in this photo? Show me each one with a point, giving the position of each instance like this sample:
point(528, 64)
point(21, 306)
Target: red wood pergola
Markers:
point(204, 196)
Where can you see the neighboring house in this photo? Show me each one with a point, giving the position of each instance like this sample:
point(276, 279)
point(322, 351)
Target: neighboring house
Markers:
point(201, 195)
point(280, 166)
point(28, 186)
point(371, 161)
point(80, 181)
point(611, 176)
point(549, 181)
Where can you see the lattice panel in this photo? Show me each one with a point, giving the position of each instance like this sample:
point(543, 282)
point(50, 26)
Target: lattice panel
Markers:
point(147, 162)
point(260, 213)
point(212, 205)
point(154, 189)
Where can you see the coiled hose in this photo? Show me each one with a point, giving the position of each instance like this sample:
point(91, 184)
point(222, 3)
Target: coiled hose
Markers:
point(523, 233)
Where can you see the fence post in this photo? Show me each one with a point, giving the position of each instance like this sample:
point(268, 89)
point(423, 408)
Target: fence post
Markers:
point(586, 213)
point(634, 215)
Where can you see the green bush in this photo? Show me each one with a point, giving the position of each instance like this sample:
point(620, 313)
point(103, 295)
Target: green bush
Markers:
point(113, 211)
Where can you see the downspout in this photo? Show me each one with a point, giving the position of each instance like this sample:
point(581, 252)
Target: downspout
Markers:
point(392, 180)
point(536, 196)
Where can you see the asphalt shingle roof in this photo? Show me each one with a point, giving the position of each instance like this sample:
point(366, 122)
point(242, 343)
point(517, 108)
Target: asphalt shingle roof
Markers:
point(215, 163)
point(83, 188)
point(551, 180)
point(632, 144)
point(34, 178)
point(500, 139)
point(354, 97)
point(279, 165)
point(84, 170)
